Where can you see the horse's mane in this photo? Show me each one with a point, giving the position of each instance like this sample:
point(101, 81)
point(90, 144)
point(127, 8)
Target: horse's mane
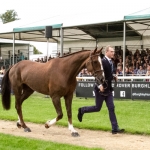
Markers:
point(74, 53)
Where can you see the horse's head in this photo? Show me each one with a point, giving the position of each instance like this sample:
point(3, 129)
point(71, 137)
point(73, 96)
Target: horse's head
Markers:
point(94, 65)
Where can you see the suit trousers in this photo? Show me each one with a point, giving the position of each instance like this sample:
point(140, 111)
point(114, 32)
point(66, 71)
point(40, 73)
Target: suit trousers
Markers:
point(99, 99)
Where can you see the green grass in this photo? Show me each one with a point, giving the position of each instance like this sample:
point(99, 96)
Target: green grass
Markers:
point(131, 115)
point(9, 142)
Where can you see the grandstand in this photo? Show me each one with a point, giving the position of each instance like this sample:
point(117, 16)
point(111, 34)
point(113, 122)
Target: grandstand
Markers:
point(6, 53)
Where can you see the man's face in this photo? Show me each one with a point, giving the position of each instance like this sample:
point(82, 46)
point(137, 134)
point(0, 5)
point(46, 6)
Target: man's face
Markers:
point(110, 53)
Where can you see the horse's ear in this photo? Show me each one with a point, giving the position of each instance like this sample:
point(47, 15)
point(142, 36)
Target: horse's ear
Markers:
point(99, 51)
point(95, 50)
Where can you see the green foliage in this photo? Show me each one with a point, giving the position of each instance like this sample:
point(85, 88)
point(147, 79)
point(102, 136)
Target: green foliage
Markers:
point(36, 51)
point(131, 115)
point(9, 16)
point(9, 142)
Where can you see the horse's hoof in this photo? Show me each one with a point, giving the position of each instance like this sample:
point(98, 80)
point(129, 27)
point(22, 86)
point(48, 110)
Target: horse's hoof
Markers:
point(18, 125)
point(27, 130)
point(75, 134)
point(46, 126)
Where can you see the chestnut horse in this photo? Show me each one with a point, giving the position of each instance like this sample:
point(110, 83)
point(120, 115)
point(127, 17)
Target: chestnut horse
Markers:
point(56, 78)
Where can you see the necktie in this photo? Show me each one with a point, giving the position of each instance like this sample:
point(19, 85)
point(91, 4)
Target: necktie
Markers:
point(111, 64)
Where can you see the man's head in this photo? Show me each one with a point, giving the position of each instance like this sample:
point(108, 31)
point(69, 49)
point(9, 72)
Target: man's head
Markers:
point(109, 52)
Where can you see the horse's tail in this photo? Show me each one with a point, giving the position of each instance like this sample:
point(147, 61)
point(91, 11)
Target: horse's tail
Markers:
point(5, 90)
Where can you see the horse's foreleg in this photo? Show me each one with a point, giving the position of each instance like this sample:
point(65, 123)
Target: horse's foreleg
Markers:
point(57, 105)
point(68, 103)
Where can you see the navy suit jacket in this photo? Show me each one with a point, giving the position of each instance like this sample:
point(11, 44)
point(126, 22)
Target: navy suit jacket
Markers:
point(108, 76)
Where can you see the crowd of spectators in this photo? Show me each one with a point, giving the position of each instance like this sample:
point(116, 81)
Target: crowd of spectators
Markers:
point(44, 59)
point(136, 63)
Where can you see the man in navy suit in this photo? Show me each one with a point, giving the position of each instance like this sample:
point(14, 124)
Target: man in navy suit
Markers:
point(104, 92)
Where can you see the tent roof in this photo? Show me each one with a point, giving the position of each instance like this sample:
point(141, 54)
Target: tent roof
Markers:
point(36, 33)
point(97, 30)
point(139, 21)
point(9, 43)
point(143, 14)
point(71, 33)
point(137, 25)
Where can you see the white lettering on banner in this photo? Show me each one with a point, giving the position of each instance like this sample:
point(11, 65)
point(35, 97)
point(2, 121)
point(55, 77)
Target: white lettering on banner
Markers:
point(125, 85)
point(85, 84)
point(119, 85)
point(122, 94)
point(93, 93)
point(134, 85)
point(140, 94)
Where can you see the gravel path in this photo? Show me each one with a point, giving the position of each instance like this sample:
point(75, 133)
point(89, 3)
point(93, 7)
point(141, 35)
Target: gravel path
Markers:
point(88, 138)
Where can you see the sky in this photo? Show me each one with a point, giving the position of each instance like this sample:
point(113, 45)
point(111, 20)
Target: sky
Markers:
point(70, 12)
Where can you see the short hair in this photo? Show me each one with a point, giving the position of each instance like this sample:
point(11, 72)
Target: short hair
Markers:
point(107, 48)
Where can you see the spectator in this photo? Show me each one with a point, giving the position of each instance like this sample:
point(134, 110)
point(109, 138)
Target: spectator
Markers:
point(2, 71)
point(119, 70)
point(141, 71)
point(21, 56)
point(147, 74)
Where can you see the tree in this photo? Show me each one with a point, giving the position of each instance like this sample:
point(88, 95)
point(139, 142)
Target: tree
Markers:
point(9, 16)
point(36, 51)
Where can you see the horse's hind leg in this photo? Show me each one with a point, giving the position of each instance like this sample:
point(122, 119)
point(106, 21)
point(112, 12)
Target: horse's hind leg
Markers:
point(20, 97)
point(68, 103)
point(58, 108)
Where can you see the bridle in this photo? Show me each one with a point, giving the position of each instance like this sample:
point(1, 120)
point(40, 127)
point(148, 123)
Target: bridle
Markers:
point(95, 71)
point(91, 61)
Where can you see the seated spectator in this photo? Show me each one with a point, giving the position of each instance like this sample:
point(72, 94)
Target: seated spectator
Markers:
point(141, 71)
point(49, 58)
point(2, 71)
point(148, 67)
point(136, 68)
point(38, 60)
point(131, 70)
point(137, 53)
point(120, 62)
point(116, 60)
point(126, 73)
point(147, 74)
point(83, 73)
point(42, 60)
point(119, 71)
point(145, 66)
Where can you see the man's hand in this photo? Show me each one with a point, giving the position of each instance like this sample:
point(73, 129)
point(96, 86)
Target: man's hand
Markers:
point(101, 88)
point(115, 77)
